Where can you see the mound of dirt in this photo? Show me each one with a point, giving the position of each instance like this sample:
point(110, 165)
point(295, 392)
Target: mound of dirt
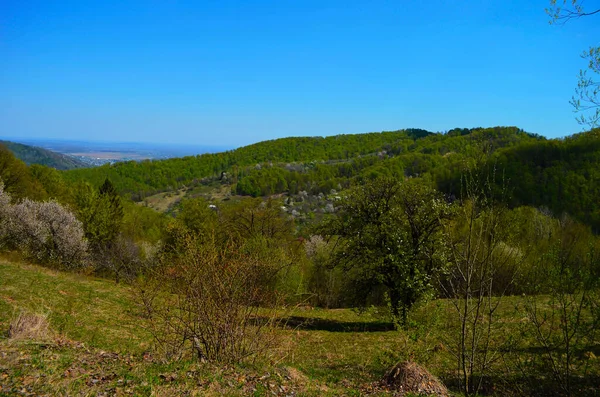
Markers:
point(410, 377)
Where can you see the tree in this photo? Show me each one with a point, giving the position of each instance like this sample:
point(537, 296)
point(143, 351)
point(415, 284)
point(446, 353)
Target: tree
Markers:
point(208, 298)
point(16, 177)
point(388, 235)
point(101, 212)
point(480, 250)
point(199, 217)
point(108, 192)
point(565, 322)
point(51, 180)
point(251, 218)
point(586, 99)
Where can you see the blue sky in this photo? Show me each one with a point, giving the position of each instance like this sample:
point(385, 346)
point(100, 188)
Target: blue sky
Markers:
point(235, 72)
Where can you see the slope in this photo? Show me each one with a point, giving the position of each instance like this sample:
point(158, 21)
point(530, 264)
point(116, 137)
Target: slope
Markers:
point(36, 155)
point(140, 179)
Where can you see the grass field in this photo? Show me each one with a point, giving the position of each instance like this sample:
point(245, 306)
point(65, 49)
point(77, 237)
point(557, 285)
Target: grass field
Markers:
point(98, 345)
point(163, 202)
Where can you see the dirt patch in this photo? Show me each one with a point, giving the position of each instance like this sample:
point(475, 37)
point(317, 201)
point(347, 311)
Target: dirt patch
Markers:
point(410, 377)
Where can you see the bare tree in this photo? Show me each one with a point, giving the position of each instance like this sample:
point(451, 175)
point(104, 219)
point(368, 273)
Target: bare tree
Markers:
point(563, 308)
point(478, 252)
point(586, 100)
point(210, 300)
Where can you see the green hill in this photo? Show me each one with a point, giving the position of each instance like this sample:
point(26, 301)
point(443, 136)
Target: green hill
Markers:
point(558, 174)
point(37, 155)
point(148, 177)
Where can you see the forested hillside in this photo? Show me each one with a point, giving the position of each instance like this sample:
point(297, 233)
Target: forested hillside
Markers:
point(410, 151)
point(562, 175)
point(559, 174)
point(147, 177)
point(37, 155)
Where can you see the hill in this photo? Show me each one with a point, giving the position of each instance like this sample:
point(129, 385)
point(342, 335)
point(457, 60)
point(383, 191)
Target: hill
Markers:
point(37, 155)
point(560, 175)
point(359, 151)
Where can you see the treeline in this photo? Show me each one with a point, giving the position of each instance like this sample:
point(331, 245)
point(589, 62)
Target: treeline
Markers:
point(436, 158)
point(560, 175)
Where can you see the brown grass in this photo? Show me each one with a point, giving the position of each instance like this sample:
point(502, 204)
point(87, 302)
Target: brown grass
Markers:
point(30, 326)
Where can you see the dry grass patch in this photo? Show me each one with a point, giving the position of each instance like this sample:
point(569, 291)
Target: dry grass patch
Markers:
point(163, 202)
point(30, 326)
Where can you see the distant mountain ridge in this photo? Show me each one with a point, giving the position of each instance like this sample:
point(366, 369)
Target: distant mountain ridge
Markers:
point(37, 155)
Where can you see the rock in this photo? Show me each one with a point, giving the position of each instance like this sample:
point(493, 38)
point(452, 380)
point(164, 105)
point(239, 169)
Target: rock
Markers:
point(410, 377)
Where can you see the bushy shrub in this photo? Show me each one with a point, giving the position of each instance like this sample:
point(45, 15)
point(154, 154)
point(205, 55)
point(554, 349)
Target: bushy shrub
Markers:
point(4, 216)
point(45, 231)
point(121, 258)
point(208, 299)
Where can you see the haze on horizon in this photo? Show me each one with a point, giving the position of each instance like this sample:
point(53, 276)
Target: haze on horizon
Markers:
point(232, 73)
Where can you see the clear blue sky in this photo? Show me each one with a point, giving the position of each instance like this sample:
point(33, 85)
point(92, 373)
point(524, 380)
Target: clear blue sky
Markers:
point(234, 72)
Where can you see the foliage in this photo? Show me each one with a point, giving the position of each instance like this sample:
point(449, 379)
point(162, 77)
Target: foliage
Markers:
point(51, 181)
point(251, 218)
point(197, 215)
point(327, 286)
point(260, 227)
point(561, 175)
point(15, 176)
point(142, 224)
point(387, 235)
point(100, 211)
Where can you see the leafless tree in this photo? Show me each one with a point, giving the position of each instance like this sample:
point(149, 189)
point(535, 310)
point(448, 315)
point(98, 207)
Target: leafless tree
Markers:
point(586, 100)
point(478, 252)
point(210, 300)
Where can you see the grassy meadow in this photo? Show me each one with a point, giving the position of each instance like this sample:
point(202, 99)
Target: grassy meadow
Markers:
point(97, 344)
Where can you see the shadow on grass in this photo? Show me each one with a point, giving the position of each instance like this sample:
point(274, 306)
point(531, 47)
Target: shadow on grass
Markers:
point(579, 353)
point(319, 324)
point(534, 386)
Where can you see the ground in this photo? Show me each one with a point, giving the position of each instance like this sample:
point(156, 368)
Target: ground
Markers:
point(97, 345)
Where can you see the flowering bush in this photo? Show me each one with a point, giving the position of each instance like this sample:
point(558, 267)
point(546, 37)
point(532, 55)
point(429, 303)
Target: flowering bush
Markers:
point(46, 231)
